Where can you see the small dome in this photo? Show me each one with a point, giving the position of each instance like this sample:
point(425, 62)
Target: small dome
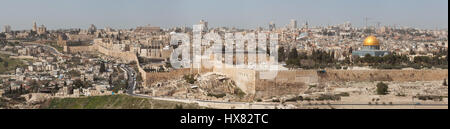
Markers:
point(371, 41)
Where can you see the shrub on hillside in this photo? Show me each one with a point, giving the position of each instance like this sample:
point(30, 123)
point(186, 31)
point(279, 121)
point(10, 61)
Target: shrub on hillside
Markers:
point(382, 88)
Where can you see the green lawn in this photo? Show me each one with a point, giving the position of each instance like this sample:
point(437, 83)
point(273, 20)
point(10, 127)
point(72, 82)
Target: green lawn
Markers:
point(9, 64)
point(114, 102)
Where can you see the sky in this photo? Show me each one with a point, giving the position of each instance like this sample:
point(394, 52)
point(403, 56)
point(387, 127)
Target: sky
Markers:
point(56, 14)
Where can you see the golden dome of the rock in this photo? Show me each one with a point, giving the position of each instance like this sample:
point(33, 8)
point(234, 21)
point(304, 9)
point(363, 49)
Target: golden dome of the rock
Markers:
point(371, 41)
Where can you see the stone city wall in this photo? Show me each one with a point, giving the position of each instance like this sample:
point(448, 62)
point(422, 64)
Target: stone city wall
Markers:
point(76, 49)
point(296, 76)
point(152, 77)
point(245, 78)
point(384, 75)
point(297, 81)
point(123, 56)
point(312, 76)
point(269, 88)
point(286, 82)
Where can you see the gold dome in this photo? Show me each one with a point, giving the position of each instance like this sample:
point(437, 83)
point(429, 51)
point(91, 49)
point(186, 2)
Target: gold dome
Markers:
point(371, 41)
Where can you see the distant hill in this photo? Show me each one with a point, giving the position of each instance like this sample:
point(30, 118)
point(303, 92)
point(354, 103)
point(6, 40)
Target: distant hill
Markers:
point(114, 102)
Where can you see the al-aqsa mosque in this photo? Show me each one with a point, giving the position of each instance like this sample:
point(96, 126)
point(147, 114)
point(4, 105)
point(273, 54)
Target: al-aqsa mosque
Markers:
point(371, 46)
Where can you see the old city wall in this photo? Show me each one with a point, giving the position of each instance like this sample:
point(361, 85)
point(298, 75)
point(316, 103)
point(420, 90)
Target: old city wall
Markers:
point(384, 75)
point(148, 77)
point(285, 83)
point(312, 76)
point(124, 56)
point(245, 78)
point(76, 49)
point(297, 81)
point(295, 76)
point(268, 88)
point(152, 77)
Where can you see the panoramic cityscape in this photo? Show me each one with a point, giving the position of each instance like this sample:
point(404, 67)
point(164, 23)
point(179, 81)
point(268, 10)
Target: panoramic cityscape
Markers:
point(208, 61)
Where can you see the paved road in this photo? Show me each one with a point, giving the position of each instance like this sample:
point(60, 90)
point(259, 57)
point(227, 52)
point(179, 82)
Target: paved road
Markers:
point(271, 105)
point(131, 79)
point(204, 101)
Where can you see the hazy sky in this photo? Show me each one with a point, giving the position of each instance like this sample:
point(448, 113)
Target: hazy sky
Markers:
point(231, 13)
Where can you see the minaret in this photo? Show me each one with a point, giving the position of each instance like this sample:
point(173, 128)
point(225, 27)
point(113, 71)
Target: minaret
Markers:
point(34, 26)
point(306, 25)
